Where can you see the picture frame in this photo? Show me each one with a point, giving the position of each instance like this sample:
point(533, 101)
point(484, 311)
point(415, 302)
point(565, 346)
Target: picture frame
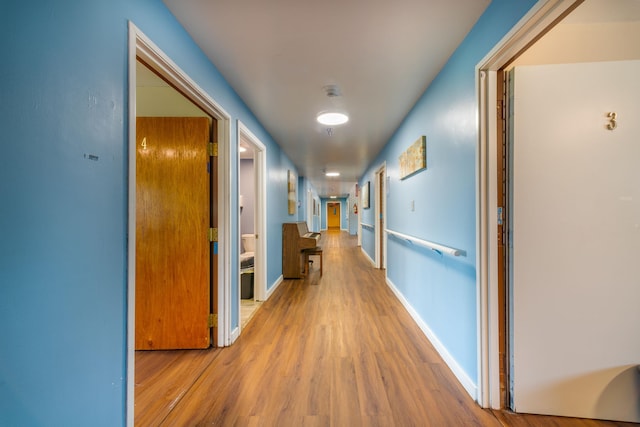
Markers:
point(292, 180)
point(414, 158)
point(365, 195)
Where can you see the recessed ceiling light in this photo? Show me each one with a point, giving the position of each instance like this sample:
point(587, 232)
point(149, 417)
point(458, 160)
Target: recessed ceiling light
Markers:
point(332, 174)
point(332, 118)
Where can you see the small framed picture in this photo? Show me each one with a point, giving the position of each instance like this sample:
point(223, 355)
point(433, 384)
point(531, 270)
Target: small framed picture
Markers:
point(365, 195)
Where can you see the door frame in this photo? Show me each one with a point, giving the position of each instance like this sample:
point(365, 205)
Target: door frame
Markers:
point(358, 197)
point(541, 18)
point(310, 203)
point(334, 202)
point(260, 216)
point(380, 190)
point(139, 45)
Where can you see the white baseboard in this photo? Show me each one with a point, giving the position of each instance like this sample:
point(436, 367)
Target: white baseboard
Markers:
point(367, 256)
point(457, 370)
point(274, 287)
point(234, 335)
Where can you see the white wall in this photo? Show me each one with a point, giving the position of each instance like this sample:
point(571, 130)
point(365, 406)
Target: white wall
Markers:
point(591, 42)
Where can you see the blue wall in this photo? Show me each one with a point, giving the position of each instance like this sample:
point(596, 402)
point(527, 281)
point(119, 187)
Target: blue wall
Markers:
point(442, 289)
point(63, 259)
point(304, 186)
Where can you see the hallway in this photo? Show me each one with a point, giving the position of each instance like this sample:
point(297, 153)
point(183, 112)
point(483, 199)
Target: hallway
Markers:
point(334, 350)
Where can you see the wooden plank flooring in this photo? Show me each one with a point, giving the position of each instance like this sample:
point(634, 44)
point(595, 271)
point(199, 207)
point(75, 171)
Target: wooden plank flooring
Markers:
point(336, 350)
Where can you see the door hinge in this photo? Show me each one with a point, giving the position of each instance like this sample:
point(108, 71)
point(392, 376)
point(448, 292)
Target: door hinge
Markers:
point(212, 321)
point(502, 114)
point(213, 149)
point(213, 234)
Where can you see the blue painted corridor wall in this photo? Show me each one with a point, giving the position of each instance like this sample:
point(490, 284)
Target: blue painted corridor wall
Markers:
point(442, 289)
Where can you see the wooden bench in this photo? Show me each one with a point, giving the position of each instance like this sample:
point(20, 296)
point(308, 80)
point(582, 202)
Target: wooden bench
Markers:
point(311, 252)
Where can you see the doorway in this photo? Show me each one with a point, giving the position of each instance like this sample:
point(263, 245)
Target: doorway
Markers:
point(333, 215)
point(310, 210)
point(143, 50)
point(253, 230)
point(528, 39)
point(380, 220)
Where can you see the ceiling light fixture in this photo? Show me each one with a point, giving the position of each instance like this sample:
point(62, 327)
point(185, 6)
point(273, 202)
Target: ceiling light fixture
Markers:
point(242, 149)
point(332, 174)
point(332, 118)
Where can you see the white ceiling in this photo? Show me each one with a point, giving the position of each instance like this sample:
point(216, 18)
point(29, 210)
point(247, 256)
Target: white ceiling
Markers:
point(279, 54)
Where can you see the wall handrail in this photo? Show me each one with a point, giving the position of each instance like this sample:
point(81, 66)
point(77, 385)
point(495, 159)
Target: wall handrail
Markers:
point(366, 225)
point(427, 244)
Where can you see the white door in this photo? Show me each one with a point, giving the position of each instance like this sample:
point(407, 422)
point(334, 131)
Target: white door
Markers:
point(575, 269)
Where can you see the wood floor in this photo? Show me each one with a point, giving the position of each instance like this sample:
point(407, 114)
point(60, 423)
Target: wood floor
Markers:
point(336, 350)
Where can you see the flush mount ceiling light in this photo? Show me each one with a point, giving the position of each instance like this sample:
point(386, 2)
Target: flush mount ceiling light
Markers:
point(332, 174)
point(332, 118)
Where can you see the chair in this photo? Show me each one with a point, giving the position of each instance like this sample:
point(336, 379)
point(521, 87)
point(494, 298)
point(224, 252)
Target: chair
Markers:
point(311, 252)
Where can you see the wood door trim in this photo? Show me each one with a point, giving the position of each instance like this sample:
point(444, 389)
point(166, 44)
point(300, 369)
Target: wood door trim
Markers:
point(501, 193)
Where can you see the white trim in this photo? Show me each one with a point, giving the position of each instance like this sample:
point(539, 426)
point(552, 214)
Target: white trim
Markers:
point(260, 220)
point(541, 16)
point(359, 232)
point(310, 209)
point(141, 46)
point(131, 230)
point(373, 263)
point(277, 283)
point(235, 333)
point(457, 370)
point(380, 235)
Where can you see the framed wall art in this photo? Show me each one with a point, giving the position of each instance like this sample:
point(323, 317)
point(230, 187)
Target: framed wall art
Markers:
point(292, 180)
point(414, 158)
point(365, 195)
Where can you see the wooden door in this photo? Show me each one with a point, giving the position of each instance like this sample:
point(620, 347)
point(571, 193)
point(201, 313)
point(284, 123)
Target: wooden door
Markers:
point(576, 240)
point(333, 215)
point(172, 222)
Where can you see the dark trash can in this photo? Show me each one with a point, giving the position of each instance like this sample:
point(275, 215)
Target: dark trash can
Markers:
point(246, 286)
